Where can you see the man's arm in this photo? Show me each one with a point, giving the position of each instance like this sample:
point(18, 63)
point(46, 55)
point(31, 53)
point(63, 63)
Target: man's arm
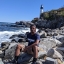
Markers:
point(36, 43)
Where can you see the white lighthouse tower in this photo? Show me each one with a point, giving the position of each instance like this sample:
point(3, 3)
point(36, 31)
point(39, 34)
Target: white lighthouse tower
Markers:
point(41, 12)
point(41, 9)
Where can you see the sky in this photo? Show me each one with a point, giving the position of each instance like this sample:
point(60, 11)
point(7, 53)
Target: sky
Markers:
point(26, 10)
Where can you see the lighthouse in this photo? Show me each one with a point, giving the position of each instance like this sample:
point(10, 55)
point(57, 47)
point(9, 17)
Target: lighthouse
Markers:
point(41, 12)
point(41, 9)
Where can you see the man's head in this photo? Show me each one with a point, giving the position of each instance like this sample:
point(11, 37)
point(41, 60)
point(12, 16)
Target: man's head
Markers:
point(33, 29)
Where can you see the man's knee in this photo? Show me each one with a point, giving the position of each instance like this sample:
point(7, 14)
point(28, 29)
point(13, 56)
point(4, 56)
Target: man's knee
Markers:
point(35, 47)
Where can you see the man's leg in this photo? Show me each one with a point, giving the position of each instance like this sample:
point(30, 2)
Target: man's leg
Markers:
point(17, 52)
point(35, 53)
point(18, 48)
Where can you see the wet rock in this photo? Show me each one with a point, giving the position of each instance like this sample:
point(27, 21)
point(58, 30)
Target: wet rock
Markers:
point(15, 39)
point(27, 33)
point(20, 23)
point(13, 36)
point(21, 35)
point(22, 40)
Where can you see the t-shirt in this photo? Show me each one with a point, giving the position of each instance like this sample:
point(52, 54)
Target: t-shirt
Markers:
point(32, 38)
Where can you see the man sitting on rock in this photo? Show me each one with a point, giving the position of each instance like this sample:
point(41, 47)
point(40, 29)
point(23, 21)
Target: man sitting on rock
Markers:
point(33, 44)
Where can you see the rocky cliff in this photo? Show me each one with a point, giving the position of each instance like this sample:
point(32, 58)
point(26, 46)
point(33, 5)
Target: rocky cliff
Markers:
point(51, 19)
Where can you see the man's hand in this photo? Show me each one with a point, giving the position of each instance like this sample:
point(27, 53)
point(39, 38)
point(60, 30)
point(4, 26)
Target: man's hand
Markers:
point(27, 47)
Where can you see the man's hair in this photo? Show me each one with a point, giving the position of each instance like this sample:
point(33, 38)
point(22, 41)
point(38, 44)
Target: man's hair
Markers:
point(32, 25)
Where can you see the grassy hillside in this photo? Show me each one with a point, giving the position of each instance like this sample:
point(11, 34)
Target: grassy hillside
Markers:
point(53, 14)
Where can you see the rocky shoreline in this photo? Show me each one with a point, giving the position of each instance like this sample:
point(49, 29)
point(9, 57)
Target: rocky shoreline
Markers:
point(51, 48)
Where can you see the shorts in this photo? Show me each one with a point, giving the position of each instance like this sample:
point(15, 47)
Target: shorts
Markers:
point(29, 51)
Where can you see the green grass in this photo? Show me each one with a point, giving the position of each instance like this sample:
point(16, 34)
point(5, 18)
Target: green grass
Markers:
point(51, 15)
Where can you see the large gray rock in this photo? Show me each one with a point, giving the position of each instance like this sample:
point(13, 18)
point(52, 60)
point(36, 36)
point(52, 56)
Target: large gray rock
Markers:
point(60, 38)
point(1, 62)
point(48, 43)
point(10, 52)
point(60, 50)
point(27, 58)
point(53, 53)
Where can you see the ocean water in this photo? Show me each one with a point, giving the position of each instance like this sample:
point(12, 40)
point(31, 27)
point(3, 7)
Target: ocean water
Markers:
point(6, 31)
